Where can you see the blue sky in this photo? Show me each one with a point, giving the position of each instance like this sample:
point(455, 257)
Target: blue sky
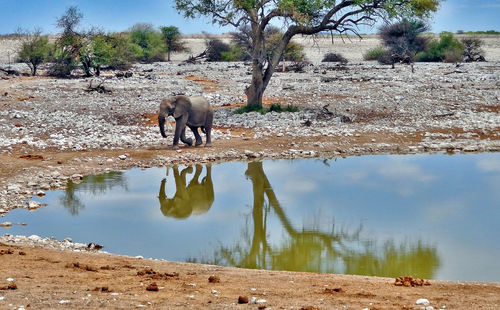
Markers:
point(118, 15)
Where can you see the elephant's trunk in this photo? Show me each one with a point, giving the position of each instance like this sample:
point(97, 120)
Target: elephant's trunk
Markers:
point(161, 123)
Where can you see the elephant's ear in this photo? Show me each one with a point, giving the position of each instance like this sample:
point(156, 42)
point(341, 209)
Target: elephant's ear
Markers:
point(182, 106)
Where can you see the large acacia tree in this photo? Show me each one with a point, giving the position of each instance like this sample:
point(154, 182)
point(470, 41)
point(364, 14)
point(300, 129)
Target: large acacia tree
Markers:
point(307, 17)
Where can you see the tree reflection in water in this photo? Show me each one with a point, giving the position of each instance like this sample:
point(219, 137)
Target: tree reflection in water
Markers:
point(94, 184)
point(314, 250)
point(195, 198)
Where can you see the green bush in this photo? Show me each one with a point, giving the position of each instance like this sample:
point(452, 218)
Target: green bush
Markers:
point(374, 53)
point(235, 53)
point(446, 49)
point(148, 44)
point(63, 62)
point(263, 110)
point(34, 50)
point(379, 54)
point(216, 49)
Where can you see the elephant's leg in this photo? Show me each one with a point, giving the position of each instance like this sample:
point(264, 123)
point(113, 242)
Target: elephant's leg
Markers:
point(187, 141)
point(209, 136)
point(208, 130)
point(197, 136)
point(180, 125)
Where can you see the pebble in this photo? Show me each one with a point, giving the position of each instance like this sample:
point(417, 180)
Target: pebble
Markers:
point(422, 301)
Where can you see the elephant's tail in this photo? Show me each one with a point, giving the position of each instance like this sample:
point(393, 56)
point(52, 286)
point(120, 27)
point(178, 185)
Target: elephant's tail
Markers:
point(203, 129)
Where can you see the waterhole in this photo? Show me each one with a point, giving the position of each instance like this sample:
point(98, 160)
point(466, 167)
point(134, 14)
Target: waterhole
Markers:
point(429, 216)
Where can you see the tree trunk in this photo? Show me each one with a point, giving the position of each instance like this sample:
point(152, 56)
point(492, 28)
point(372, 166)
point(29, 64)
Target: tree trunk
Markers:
point(168, 55)
point(255, 91)
point(261, 77)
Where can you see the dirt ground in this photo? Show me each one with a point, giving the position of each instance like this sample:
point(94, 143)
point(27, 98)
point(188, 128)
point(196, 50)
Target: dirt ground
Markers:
point(49, 279)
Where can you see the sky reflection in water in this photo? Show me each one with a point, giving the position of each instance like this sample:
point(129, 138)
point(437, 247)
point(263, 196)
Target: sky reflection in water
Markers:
point(431, 216)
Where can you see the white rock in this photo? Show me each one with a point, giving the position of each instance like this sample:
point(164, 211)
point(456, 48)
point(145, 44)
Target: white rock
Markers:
point(422, 301)
point(34, 238)
point(214, 292)
point(122, 157)
point(10, 280)
point(61, 302)
point(33, 205)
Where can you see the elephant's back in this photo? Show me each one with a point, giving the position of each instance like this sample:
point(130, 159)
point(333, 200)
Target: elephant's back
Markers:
point(200, 102)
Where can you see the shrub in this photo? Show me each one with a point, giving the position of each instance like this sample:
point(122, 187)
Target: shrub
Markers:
point(472, 49)
point(34, 50)
point(63, 62)
point(334, 57)
point(149, 44)
point(216, 48)
point(263, 110)
point(446, 49)
point(403, 39)
point(379, 54)
point(235, 53)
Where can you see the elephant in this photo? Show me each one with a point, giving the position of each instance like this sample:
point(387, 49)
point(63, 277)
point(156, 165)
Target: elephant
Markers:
point(191, 111)
point(195, 198)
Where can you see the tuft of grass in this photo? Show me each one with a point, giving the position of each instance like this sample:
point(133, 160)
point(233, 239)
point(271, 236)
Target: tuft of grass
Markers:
point(262, 110)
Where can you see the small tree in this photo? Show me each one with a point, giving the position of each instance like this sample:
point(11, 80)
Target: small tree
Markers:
point(472, 49)
point(68, 45)
point(172, 38)
point(404, 40)
point(34, 49)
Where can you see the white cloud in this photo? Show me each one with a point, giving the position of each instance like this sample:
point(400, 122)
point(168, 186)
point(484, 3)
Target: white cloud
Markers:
point(489, 165)
point(405, 171)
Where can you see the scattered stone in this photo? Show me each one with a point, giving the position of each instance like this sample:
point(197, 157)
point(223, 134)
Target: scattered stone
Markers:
point(122, 157)
point(33, 205)
point(410, 281)
point(243, 300)
point(214, 279)
point(333, 290)
point(6, 224)
point(153, 287)
point(422, 302)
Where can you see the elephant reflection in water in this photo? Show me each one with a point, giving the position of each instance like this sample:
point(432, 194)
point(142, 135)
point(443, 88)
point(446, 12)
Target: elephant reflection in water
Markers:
point(195, 198)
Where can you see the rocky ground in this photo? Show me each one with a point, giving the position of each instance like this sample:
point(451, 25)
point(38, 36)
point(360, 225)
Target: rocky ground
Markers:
point(53, 129)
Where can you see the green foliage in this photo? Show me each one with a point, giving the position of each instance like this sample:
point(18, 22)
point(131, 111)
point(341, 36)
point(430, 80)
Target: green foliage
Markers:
point(34, 50)
point(235, 53)
point(375, 53)
point(63, 62)
point(149, 43)
point(447, 49)
point(217, 50)
point(172, 38)
point(263, 110)
point(483, 32)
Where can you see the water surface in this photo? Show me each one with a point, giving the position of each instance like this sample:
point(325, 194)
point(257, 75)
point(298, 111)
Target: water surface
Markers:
point(429, 216)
